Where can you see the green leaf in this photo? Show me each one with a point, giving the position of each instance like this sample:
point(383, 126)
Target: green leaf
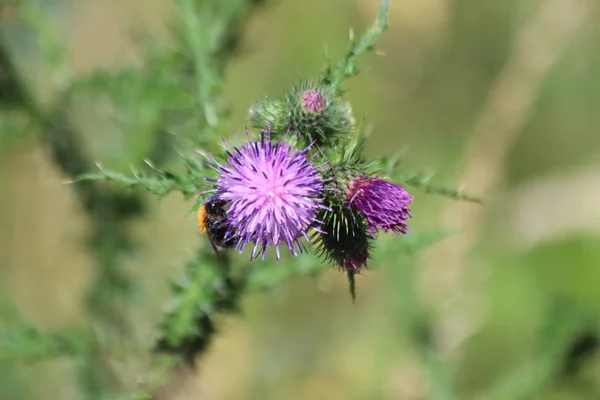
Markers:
point(206, 288)
point(156, 181)
point(421, 181)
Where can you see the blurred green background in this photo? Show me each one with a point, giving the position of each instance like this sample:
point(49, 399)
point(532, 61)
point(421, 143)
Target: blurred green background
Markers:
point(500, 97)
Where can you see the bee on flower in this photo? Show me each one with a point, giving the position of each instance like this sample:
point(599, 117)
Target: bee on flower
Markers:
point(273, 192)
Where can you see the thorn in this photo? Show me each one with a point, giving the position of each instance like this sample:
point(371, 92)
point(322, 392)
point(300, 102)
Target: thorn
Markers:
point(203, 153)
point(135, 174)
point(149, 163)
point(179, 152)
point(380, 53)
point(351, 34)
point(99, 166)
point(68, 182)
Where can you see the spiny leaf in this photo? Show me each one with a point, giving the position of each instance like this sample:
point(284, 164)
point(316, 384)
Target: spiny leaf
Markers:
point(389, 166)
point(207, 30)
point(421, 181)
point(347, 66)
point(156, 181)
point(206, 288)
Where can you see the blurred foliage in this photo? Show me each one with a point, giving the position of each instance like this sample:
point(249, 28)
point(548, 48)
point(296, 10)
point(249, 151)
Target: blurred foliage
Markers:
point(185, 85)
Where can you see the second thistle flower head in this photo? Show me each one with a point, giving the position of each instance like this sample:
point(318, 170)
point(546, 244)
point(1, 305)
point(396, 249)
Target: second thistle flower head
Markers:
point(273, 193)
point(383, 204)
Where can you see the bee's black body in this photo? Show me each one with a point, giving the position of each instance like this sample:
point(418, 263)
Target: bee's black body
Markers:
point(213, 220)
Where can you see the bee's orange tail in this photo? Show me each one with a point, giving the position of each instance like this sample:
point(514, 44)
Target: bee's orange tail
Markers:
point(202, 218)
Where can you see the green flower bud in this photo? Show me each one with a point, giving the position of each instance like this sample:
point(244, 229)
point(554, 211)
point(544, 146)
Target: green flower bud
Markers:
point(343, 239)
point(310, 109)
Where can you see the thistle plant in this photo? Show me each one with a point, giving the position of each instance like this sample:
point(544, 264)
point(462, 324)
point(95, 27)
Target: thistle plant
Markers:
point(274, 192)
point(299, 180)
point(295, 190)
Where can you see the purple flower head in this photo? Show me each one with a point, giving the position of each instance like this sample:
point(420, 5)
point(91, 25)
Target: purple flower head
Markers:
point(313, 100)
point(383, 204)
point(273, 192)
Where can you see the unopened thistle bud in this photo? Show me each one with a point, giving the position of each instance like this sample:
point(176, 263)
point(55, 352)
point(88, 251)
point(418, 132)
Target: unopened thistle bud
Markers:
point(310, 109)
point(343, 239)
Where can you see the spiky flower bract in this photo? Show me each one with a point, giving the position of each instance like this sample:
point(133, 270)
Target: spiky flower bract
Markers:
point(311, 109)
point(343, 240)
point(273, 192)
point(383, 204)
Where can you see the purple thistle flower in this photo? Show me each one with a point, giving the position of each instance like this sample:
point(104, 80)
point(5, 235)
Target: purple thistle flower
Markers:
point(273, 192)
point(383, 204)
point(313, 100)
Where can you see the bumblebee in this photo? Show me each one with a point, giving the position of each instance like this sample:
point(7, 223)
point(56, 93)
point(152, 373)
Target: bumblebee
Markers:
point(212, 220)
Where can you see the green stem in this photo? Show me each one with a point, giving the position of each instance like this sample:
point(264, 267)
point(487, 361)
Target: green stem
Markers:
point(347, 67)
